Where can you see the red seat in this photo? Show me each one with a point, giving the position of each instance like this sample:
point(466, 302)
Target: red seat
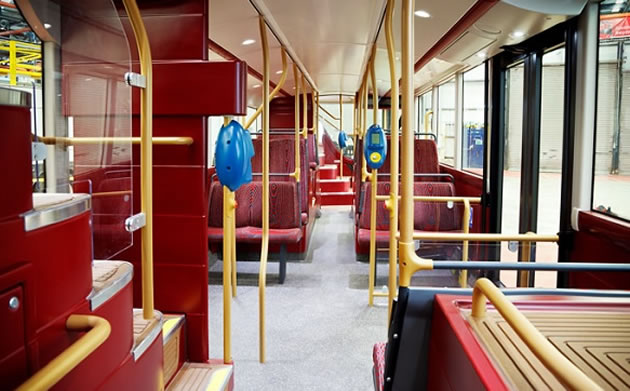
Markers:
point(282, 161)
point(428, 216)
point(378, 359)
point(284, 216)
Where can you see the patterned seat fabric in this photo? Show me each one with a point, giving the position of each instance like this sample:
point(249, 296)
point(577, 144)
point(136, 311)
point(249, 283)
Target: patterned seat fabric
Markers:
point(428, 216)
point(284, 216)
point(282, 161)
point(378, 358)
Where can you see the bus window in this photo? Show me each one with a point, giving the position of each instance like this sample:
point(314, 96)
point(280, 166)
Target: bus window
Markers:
point(424, 112)
point(446, 123)
point(473, 118)
point(550, 160)
point(611, 183)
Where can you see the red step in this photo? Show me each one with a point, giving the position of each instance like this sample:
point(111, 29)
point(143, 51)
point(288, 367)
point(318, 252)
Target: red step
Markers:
point(335, 185)
point(328, 171)
point(338, 198)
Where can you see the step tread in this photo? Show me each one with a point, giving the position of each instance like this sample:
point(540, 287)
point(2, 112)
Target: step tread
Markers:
point(199, 376)
point(145, 331)
point(345, 179)
point(330, 193)
point(51, 208)
point(171, 322)
point(108, 278)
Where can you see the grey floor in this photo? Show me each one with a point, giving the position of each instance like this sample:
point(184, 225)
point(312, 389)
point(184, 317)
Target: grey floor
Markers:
point(320, 330)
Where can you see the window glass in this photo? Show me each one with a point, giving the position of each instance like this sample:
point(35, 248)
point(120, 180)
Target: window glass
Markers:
point(425, 112)
point(473, 119)
point(611, 183)
point(446, 122)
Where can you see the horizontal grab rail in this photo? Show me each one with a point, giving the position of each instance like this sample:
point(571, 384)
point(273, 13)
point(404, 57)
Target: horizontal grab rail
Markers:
point(568, 374)
point(449, 176)
point(533, 266)
point(61, 365)
point(482, 237)
point(114, 140)
point(472, 200)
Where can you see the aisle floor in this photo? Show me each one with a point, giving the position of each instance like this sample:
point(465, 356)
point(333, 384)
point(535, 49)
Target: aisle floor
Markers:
point(320, 330)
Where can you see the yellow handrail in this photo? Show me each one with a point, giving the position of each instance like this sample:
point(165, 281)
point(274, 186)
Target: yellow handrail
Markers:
point(283, 78)
point(566, 372)
point(484, 237)
point(146, 150)
point(262, 276)
point(51, 140)
point(409, 261)
point(315, 114)
point(340, 129)
point(463, 274)
point(427, 124)
point(329, 113)
point(373, 180)
point(60, 366)
point(392, 203)
point(374, 87)
point(228, 215)
point(304, 109)
point(296, 122)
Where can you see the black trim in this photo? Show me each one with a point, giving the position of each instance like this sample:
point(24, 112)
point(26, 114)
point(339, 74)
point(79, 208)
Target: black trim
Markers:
point(530, 153)
point(568, 148)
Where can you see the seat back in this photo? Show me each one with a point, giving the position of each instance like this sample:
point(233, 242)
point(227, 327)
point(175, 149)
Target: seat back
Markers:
point(283, 205)
point(425, 157)
point(428, 216)
point(282, 161)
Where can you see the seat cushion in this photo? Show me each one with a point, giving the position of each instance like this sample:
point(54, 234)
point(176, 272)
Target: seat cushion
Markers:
point(378, 358)
point(276, 236)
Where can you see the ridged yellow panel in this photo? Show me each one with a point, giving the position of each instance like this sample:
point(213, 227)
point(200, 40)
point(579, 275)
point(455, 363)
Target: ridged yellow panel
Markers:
point(596, 342)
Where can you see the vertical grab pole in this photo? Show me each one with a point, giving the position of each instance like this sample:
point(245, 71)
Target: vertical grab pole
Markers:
point(315, 113)
point(228, 245)
point(405, 245)
point(146, 157)
point(296, 115)
point(340, 129)
point(262, 277)
point(392, 204)
point(523, 275)
point(374, 186)
point(463, 274)
point(232, 227)
point(227, 265)
point(304, 109)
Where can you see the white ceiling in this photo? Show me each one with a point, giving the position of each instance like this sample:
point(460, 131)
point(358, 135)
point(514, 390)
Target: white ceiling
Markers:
point(332, 39)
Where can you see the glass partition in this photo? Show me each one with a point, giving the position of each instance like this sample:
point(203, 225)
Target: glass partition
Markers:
point(446, 123)
point(473, 118)
point(87, 111)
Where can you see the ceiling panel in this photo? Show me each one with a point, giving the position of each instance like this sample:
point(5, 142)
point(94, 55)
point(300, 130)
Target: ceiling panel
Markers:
point(332, 38)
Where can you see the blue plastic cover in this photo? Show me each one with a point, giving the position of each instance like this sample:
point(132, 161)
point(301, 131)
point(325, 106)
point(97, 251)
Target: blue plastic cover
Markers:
point(234, 150)
point(375, 150)
point(342, 139)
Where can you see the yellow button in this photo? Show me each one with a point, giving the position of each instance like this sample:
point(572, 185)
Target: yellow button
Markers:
point(375, 157)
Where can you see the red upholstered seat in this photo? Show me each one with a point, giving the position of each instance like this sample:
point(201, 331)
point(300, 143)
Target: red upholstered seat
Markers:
point(428, 216)
point(425, 157)
point(378, 359)
point(284, 216)
point(282, 161)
